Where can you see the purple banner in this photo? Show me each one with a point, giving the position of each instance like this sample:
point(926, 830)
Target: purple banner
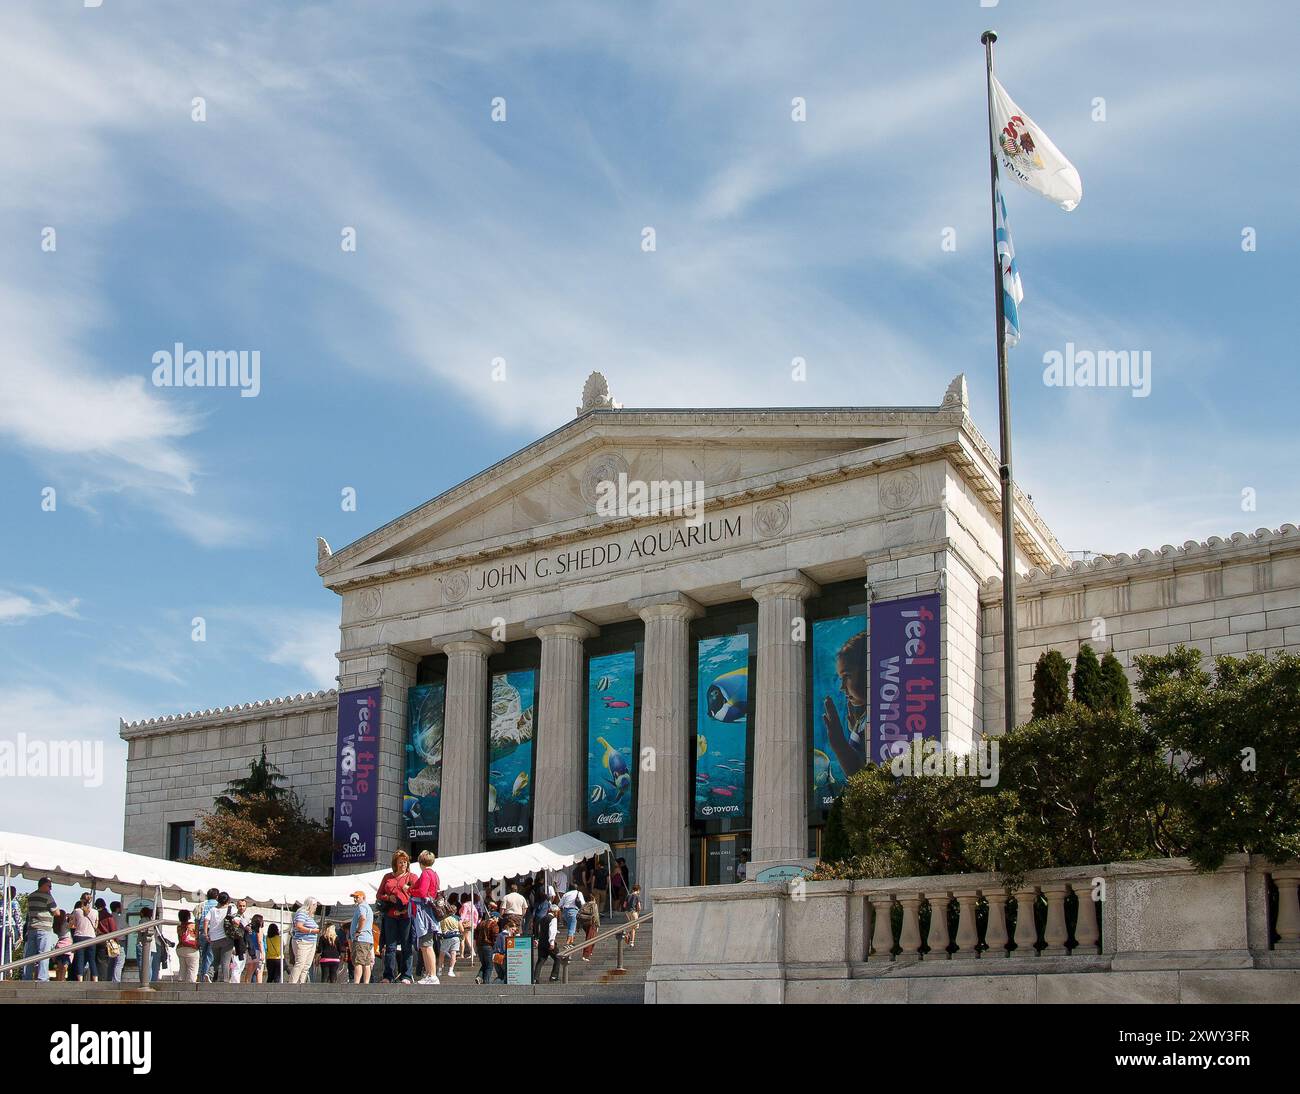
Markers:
point(904, 674)
point(356, 777)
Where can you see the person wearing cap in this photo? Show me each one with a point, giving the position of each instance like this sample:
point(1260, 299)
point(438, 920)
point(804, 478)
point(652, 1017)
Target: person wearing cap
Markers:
point(363, 939)
point(41, 907)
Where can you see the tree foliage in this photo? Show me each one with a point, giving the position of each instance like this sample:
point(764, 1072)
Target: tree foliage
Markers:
point(1203, 765)
point(1051, 684)
point(258, 825)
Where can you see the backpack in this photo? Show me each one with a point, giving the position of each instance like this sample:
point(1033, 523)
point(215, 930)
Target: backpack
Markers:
point(235, 932)
point(441, 909)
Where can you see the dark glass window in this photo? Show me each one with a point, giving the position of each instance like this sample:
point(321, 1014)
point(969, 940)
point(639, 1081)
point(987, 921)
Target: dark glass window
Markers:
point(180, 841)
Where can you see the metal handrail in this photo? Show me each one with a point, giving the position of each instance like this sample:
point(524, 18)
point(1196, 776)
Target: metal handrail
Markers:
point(99, 939)
point(614, 932)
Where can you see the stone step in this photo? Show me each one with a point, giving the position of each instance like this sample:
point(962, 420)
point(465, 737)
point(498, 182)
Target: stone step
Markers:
point(468, 992)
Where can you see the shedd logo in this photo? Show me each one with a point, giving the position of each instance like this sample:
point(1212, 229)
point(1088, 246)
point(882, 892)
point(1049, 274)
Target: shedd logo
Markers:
point(104, 1047)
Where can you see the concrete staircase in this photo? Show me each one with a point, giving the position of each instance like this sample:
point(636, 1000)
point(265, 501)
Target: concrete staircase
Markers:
point(601, 968)
point(589, 982)
point(450, 991)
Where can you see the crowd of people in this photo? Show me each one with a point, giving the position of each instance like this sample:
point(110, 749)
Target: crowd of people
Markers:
point(415, 931)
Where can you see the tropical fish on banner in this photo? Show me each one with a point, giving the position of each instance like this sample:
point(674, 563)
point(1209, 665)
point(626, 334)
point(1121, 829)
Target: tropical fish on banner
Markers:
point(1012, 292)
point(1027, 154)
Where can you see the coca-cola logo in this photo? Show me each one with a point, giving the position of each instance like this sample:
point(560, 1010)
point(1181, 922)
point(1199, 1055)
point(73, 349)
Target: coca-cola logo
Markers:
point(610, 818)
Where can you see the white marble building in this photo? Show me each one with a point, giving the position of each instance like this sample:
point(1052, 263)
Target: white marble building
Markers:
point(802, 506)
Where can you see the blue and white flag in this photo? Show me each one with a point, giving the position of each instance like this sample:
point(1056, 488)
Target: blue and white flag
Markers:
point(1012, 293)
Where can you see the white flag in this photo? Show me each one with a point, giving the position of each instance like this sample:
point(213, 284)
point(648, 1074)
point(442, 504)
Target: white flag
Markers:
point(1027, 154)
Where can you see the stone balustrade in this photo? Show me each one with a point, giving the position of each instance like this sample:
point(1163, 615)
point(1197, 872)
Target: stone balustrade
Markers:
point(1147, 931)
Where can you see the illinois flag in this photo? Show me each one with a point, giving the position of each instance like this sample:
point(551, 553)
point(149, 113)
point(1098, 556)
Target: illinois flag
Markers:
point(1028, 156)
point(1012, 293)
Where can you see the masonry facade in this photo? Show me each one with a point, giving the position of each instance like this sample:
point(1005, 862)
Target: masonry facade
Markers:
point(807, 513)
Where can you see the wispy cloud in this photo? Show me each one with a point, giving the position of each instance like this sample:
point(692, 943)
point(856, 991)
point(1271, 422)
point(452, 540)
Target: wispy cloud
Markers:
point(20, 608)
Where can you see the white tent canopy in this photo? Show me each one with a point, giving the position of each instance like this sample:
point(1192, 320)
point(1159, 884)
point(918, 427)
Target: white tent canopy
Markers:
point(81, 864)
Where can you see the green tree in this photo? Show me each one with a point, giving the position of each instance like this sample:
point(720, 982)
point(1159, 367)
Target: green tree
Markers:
point(1233, 746)
point(1089, 688)
point(259, 825)
point(1051, 684)
point(1115, 684)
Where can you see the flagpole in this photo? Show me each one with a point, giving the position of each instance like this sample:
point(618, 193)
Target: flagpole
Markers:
point(1004, 428)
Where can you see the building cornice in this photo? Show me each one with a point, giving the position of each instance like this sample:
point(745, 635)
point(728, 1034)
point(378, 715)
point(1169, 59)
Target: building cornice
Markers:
point(286, 706)
point(1117, 569)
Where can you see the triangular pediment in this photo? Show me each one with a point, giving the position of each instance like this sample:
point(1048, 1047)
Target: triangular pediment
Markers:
point(550, 486)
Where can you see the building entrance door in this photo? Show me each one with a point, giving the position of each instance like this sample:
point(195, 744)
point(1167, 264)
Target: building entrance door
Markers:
point(714, 858)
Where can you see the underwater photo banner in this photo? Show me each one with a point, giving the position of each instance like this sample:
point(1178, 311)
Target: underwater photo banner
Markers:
point(721, 727)
point(904, 674)
point(426, 707)
point(611, 712)
point(510, 753)
point(841, 730)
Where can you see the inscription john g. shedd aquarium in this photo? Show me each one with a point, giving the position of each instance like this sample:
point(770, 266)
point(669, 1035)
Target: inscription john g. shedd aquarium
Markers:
point(507, 575)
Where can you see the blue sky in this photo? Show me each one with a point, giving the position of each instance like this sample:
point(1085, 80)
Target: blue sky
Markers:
point(522, 240)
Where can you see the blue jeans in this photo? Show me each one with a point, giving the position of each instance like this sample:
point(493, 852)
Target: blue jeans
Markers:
point(205, 959)
point(395, 933)
point(83, 961)
point(38, 942)
point(119, 963)
point(570, 920)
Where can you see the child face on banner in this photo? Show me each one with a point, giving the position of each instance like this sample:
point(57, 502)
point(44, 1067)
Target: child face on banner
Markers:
point(851, 682)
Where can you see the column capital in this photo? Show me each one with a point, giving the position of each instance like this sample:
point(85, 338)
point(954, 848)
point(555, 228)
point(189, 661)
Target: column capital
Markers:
point(380, 649)
point(561, 624)
point(666, 606)
point(467, 642)
point(787, 583)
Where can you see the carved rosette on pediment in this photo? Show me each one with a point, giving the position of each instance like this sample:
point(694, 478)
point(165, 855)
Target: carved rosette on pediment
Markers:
point(369, 601)
point(605, 467)
point(771, 518)
point(899, 490)
point(454, 586)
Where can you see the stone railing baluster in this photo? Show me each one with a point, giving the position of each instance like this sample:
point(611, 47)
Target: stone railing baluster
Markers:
point(938, 937)
point(909, 938)
point(882, 927)
point(1026, 936)
point(968, 935)
point(1055, 933)
point(995, 934)
point(1288, 908)
point(1086, 933)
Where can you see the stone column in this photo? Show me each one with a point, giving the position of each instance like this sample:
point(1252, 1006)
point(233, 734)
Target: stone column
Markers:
point(780, 714)
point(559, 763)
point(663, 806)
point(462, 823)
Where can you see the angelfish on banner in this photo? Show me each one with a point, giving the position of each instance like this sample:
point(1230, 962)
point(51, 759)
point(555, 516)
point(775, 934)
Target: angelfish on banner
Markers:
point(1027, 154)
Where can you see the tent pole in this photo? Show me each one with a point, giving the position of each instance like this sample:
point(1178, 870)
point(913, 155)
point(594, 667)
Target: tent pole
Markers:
point(6, 945)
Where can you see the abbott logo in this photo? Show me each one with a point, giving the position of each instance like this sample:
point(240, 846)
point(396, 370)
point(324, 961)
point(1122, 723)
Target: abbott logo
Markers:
point(105, 1047)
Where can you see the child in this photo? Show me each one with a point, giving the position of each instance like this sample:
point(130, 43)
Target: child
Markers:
point(328, 952)
point(449, 930)
point(274, 954)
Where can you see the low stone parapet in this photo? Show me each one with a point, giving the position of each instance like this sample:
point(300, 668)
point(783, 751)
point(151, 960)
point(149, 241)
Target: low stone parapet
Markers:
point(1155, 930)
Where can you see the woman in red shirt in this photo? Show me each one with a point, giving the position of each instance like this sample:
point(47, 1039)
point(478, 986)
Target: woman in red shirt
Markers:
point(394, 897)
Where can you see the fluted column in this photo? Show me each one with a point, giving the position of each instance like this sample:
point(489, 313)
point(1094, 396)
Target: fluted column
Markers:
point(462, 822)
point(780, 831)
point(558, 764)
point(663, 807)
